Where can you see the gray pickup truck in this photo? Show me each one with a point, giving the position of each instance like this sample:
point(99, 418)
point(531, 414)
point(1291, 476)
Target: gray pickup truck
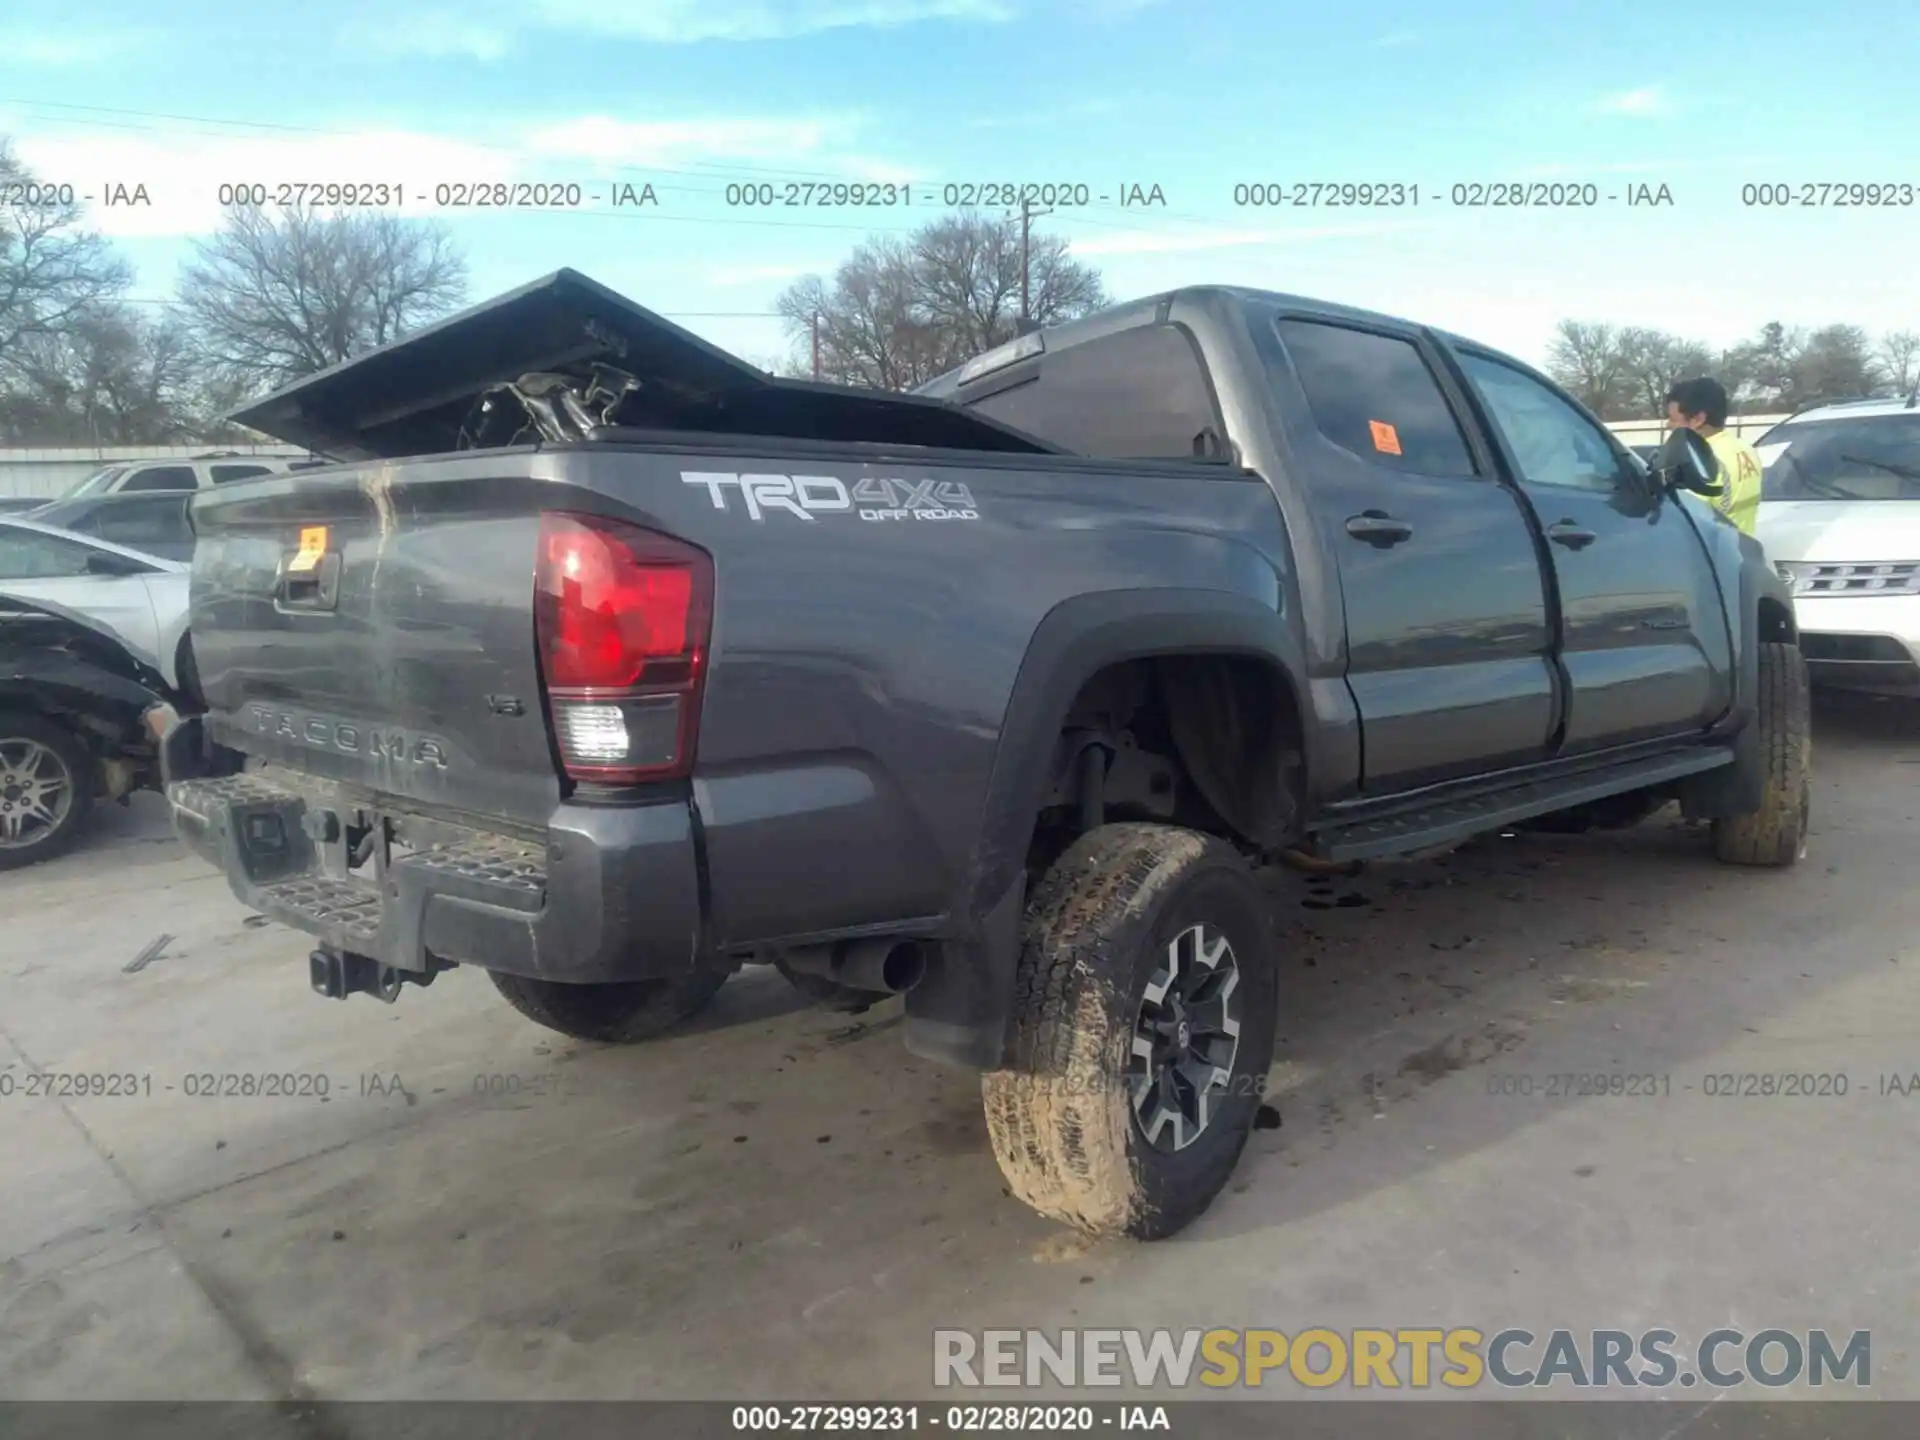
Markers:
point(607, 663)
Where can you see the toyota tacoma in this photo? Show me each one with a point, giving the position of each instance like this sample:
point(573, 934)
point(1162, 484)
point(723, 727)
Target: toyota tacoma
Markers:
point(607, 663)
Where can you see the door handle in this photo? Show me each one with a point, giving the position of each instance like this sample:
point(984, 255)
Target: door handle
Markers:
point(1378, 529)
point(1570, 535)
point(316, 590)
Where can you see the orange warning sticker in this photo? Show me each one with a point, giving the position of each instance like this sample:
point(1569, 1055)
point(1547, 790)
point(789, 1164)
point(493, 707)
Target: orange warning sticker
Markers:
point(313, 544)
point(1386, 439)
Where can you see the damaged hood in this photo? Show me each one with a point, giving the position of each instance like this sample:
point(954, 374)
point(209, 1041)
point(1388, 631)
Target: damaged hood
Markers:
point(580, 361)
point(44, 643)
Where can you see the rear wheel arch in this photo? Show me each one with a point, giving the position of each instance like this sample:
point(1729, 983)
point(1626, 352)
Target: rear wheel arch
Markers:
point(1228, 642)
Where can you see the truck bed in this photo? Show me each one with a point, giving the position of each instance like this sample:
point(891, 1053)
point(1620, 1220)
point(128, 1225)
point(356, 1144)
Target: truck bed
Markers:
point(872, 606)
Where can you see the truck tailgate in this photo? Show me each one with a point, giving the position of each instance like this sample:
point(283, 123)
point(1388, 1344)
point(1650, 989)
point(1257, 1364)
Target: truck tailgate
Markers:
point(373, 626)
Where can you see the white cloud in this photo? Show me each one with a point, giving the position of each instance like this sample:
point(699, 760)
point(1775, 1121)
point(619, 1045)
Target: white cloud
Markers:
point(1175, 242)
point(52, 48)
point(1029, 120)
point(1650, 100)
point(677, 142)
point(485, 30)
point(183, 172)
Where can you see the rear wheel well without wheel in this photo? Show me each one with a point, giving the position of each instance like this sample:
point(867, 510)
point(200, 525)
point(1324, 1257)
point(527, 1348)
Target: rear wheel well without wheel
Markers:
point(1210, 741)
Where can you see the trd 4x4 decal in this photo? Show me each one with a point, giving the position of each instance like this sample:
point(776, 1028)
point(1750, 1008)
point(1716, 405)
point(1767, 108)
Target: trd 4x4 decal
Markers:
point(806, 496)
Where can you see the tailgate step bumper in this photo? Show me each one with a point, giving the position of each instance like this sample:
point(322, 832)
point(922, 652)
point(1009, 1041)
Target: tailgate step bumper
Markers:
point(611, 895)
point(260, 834)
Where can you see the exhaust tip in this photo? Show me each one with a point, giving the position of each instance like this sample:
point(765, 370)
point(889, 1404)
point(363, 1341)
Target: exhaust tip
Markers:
point(904, 967)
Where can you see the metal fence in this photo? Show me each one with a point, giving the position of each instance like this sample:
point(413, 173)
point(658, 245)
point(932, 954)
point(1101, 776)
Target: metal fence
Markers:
point(1652, 432)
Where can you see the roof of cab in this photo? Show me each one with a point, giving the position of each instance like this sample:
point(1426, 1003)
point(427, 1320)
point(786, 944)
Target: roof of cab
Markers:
point(1135, 312)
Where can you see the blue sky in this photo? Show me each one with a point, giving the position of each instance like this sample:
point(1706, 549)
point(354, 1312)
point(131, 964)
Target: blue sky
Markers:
point(1192, 95)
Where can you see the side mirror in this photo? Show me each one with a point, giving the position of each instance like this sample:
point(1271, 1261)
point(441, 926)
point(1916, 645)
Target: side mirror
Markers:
point(1687, 462)
point(102, 562)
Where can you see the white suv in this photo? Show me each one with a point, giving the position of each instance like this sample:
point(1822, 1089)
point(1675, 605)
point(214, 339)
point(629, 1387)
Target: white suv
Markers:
point(199, 473)
point(1840, 517)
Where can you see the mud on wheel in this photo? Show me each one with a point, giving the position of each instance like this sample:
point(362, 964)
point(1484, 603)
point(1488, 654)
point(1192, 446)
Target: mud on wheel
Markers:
point(1776, 833)
point(1141, 1034)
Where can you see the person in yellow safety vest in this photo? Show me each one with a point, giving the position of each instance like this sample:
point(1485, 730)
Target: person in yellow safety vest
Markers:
point(1701, 406)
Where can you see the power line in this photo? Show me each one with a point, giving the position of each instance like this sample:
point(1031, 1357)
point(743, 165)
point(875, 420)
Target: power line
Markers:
point(664, 314)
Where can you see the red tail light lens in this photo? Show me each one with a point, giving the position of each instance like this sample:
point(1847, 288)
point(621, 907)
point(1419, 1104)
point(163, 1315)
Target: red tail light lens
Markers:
point(623, 617)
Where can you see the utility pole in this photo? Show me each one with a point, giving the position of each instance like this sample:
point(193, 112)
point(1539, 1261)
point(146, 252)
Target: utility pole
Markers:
point(1027, 214)
point(816, 344)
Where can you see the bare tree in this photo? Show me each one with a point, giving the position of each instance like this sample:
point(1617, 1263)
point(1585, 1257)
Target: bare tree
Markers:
point(1587, 358)
point(1652, 361)
point(277, 295)
point(53, 272)
point(109, 377)
point(1900, 360)
point(900, 311)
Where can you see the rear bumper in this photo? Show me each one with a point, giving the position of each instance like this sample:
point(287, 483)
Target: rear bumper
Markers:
point(610, 893)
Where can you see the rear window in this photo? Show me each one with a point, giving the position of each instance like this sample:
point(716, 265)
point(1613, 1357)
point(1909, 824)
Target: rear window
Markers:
point(96, 483)
point(1139, 395)
point(162, 477)
point(223, 474)
point(1864, 457)
point(158, 526)
point(1374, 395)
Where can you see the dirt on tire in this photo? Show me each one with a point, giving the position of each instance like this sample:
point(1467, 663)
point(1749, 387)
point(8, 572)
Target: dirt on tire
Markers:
point(1058, 1113)
point(1775, 834)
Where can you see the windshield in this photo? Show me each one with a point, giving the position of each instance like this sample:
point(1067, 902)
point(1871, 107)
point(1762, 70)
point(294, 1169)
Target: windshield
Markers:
point(1869, 457)
point(96, 483)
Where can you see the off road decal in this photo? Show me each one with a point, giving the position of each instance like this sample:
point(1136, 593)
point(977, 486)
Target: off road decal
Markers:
point(808, 497)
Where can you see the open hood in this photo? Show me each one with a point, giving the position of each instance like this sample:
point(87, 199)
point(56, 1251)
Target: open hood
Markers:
point(580, 361)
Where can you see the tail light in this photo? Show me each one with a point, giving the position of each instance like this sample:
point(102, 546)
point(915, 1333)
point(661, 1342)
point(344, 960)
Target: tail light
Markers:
point(623, 617)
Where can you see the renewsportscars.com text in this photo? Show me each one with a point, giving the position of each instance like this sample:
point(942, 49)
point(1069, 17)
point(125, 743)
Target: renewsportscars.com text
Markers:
point(1461, 1358)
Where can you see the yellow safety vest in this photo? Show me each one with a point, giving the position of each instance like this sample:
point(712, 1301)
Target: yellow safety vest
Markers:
point(1739, 479)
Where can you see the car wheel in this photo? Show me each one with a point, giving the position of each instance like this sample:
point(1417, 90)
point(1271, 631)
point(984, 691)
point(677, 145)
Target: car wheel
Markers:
point(46, 789)
point(1142, 1030)
point(616, 1014)
point(1776, 833)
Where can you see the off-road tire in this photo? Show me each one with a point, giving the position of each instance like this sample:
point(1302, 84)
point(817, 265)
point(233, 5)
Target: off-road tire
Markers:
point(72, 752)
point(1059, 1112)
point(1776, 833)
point(615, 1014)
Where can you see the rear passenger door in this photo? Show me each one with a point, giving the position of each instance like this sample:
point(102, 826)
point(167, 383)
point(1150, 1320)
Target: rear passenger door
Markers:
point(1448, 635)
point(1643, 634)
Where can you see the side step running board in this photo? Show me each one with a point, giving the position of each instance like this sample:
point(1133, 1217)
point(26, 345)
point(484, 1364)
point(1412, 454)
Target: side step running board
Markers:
point(1397, 829)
